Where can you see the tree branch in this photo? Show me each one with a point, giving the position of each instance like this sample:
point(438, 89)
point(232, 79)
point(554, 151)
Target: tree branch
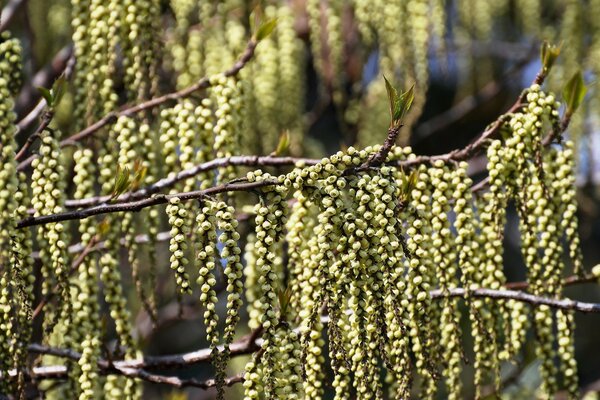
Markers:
point(166, 183)
point(8, 13)
point(564, 304)
point(138, 205)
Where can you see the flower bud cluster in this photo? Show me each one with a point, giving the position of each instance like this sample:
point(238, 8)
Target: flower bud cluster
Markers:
point(180, 229)
point(85, 303)
point(10, 62)
point(226, 130)
point(206, 258)
point(48, 196)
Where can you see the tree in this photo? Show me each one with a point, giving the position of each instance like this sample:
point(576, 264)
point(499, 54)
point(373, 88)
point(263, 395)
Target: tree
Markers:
point(368, 262)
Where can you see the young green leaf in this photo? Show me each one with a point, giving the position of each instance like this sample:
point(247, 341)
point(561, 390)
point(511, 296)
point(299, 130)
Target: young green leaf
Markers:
point(392, 94)
point(574, 92)
point(549, 54)
point(103, 227)
point(58, 89)
point(283, 145)
point(284, 300)
point(46, 94)
point(265, 29)
point(122, 181)
point(404, 103)
point(139, 173)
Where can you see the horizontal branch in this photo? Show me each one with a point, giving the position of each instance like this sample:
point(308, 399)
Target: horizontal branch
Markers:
point(560, 304)
point(139, 205)
point(111, 117)
point(166, 183)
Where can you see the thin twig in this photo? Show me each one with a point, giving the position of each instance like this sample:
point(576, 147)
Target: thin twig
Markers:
point(569, 281)
point(46, 119)
point(559, 304)
point(166, 183)
point(9, 12)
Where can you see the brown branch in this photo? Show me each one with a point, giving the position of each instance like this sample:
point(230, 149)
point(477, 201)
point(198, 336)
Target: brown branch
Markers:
point(378, 158)
point(46, 119)
point(166, 183)
point(138, 205)
point(244, 346)
point(569, 281)
point(111, 117)
point(9, 12)
point(560, 304)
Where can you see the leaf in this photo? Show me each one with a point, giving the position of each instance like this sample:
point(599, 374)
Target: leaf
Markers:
point(58, 89)
point(103, 227)
point(399, 103)
point(284, 299)
point(404, 103)
point(255, 17)
point(574, 92)
point(408, 184)
point(46, 94)
point(549, 54)
point(265, 29)
point(283, 145)
point(139, 173)
point(392, 97)
point(122, 181)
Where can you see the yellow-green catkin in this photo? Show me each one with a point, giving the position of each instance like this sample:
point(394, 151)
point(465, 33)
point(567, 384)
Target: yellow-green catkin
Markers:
point(16, 286)
point(227, 123)
point(6, 353)
point(10, 62)
point(139, 39)
point(117, 387)
point(565, 326)
point(23, 280)
point(233, 272)
point(251, 273)
point(288, 370)
point(447, 183)
point(135, 153)
point(420, 274)
point(207, 258)
point(8, 171)
point(530, 16)
point(48, 195)
point(291, 71)
point(179, 231)
point(95, 37)
point(8, 179)
point(269, 222)
point(419, 34)
point(569, 222)
point(85, 305)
